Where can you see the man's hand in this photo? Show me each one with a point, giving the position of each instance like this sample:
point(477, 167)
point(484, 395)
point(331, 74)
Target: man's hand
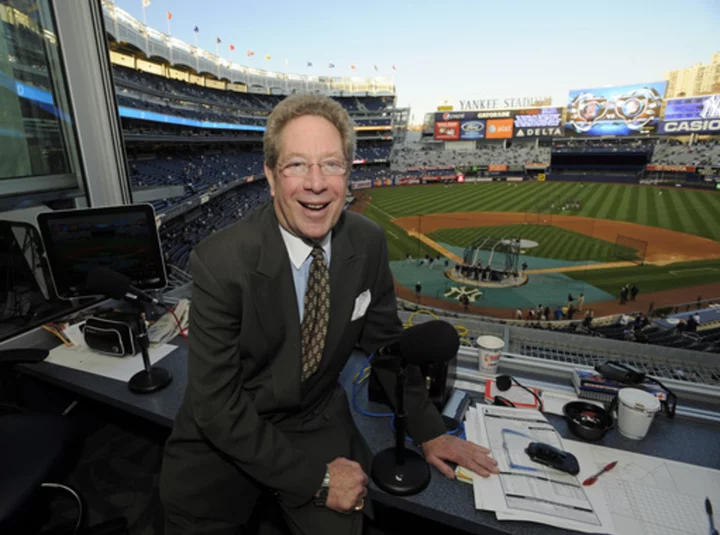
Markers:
point(459, 451)
point(348, 485)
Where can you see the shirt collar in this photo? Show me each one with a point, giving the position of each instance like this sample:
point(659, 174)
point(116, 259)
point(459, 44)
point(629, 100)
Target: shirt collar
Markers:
point(299, 250)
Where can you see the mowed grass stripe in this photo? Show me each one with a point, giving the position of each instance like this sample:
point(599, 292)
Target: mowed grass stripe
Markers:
point(709, 212)
point(628, 203)
point(652, 196)
point(621, 197)
point(593, 206)
point(688, 214)
point(675, 218)
point(607, 205)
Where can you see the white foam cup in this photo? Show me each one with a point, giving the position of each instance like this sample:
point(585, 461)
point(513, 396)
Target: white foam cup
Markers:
point(489, 351)
point(636, 410)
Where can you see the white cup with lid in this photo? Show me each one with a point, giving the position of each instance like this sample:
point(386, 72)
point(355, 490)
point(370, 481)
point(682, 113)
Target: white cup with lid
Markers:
point(636, 410)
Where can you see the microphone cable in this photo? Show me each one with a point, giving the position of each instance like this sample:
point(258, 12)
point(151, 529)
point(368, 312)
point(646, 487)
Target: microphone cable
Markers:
point(361, 377)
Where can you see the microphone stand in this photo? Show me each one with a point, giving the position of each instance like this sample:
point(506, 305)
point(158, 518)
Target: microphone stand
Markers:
point(151, 378)
point(400, 471)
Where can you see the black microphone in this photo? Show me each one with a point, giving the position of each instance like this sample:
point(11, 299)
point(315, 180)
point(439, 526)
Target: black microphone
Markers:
point(398, 470)
point(109, 282)
point(504, 382)
point(430, 342)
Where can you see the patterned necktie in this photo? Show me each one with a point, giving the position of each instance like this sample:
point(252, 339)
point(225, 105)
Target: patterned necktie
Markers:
point(316, 315)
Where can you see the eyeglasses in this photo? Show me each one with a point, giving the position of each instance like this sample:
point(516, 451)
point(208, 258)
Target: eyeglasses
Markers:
point(301, 168)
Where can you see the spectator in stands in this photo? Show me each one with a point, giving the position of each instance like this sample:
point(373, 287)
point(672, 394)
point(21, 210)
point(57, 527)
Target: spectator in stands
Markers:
point(570, 298)
point(587, 322)
point(418, 290)
point(264, 412)
point(558, 313)
point(633, 292)
point(518, 314)
point(546, 313)
point(692, 324)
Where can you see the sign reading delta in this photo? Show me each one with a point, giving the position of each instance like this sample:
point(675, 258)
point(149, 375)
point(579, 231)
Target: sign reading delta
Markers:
point(693, 115)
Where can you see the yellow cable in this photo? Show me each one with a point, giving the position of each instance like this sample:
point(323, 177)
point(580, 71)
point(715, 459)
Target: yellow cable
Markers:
point(56, 333)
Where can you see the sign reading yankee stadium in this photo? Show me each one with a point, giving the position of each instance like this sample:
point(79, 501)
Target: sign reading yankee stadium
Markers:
point(694, 115)
point(499, 103)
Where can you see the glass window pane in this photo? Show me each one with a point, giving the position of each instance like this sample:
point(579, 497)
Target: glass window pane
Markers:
point(36, 130)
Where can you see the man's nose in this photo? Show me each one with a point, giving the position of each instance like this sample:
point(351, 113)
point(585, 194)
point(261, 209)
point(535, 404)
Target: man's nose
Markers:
point(315, 180)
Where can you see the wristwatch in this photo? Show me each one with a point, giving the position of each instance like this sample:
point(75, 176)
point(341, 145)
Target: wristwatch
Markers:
point(321, 495)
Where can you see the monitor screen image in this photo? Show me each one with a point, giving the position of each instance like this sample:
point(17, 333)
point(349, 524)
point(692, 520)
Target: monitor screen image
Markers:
point(122, 238)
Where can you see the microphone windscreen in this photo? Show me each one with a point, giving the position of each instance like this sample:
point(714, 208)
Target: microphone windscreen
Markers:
point(108, 282)
point(432, 341)
point(503, 383)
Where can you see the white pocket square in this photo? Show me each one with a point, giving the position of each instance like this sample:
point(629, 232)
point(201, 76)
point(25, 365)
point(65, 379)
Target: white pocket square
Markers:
point(362, 302)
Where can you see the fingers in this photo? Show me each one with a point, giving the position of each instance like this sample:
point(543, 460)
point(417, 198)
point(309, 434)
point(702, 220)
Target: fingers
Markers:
point(442, 467)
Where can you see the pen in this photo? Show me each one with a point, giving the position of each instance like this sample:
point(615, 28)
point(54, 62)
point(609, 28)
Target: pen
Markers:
point(593, 478)
point(708, 508)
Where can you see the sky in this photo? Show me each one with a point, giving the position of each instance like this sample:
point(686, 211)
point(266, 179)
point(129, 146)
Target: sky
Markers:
point(454, 49)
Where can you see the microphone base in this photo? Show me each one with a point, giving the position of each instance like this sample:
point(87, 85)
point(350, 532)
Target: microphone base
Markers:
point(144, 382)
point(406, 480)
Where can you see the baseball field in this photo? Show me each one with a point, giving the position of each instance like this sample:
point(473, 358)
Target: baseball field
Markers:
point(663, 238)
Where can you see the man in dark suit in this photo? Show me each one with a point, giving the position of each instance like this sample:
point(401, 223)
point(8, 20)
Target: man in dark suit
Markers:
point(271, 328)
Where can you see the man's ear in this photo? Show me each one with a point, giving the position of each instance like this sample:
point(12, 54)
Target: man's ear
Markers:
point(270, 178)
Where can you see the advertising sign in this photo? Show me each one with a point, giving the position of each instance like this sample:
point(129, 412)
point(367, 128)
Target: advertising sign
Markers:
point(472, 129)
point(497, 167)
point(615, 111)
point(499, 129)
point(538, 122)
point(692, 115)
point(672, 168)
point(447, 130)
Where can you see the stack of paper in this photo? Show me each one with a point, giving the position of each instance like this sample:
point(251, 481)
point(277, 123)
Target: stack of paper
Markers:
point(642, 495)
point(525, 490)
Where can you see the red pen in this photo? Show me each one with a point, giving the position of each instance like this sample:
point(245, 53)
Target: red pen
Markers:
point(593, 478)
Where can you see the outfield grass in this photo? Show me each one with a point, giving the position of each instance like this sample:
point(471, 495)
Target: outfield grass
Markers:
point(399, 243)
point(692, 211)
point(554, 242)
point(653, 278)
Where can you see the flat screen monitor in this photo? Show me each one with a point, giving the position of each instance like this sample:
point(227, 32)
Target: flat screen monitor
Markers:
point(123, 238)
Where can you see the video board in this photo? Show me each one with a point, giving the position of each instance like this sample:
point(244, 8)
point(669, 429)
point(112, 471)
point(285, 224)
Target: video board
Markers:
point(538, 122)
point(692, 115)
point(615, 111)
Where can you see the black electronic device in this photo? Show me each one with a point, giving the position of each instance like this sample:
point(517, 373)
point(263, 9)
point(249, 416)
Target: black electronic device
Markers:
point(586, 420)
point(151, 378)
point(398, 470)
point(624, 374)
point(620, 373)
point(113, 333)
point(122, 238)
point(553, 457)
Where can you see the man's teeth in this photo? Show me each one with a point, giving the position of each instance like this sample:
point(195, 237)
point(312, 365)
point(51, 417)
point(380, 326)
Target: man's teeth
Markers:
point(314, 206)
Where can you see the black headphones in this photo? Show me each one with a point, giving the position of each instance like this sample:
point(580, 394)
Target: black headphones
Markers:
point(503, 383)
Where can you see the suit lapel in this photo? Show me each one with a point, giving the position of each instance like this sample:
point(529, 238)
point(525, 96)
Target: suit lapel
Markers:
point(345, 278)
point(273, 292)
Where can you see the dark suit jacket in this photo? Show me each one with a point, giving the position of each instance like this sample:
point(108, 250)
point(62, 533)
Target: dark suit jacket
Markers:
point(246, 419)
